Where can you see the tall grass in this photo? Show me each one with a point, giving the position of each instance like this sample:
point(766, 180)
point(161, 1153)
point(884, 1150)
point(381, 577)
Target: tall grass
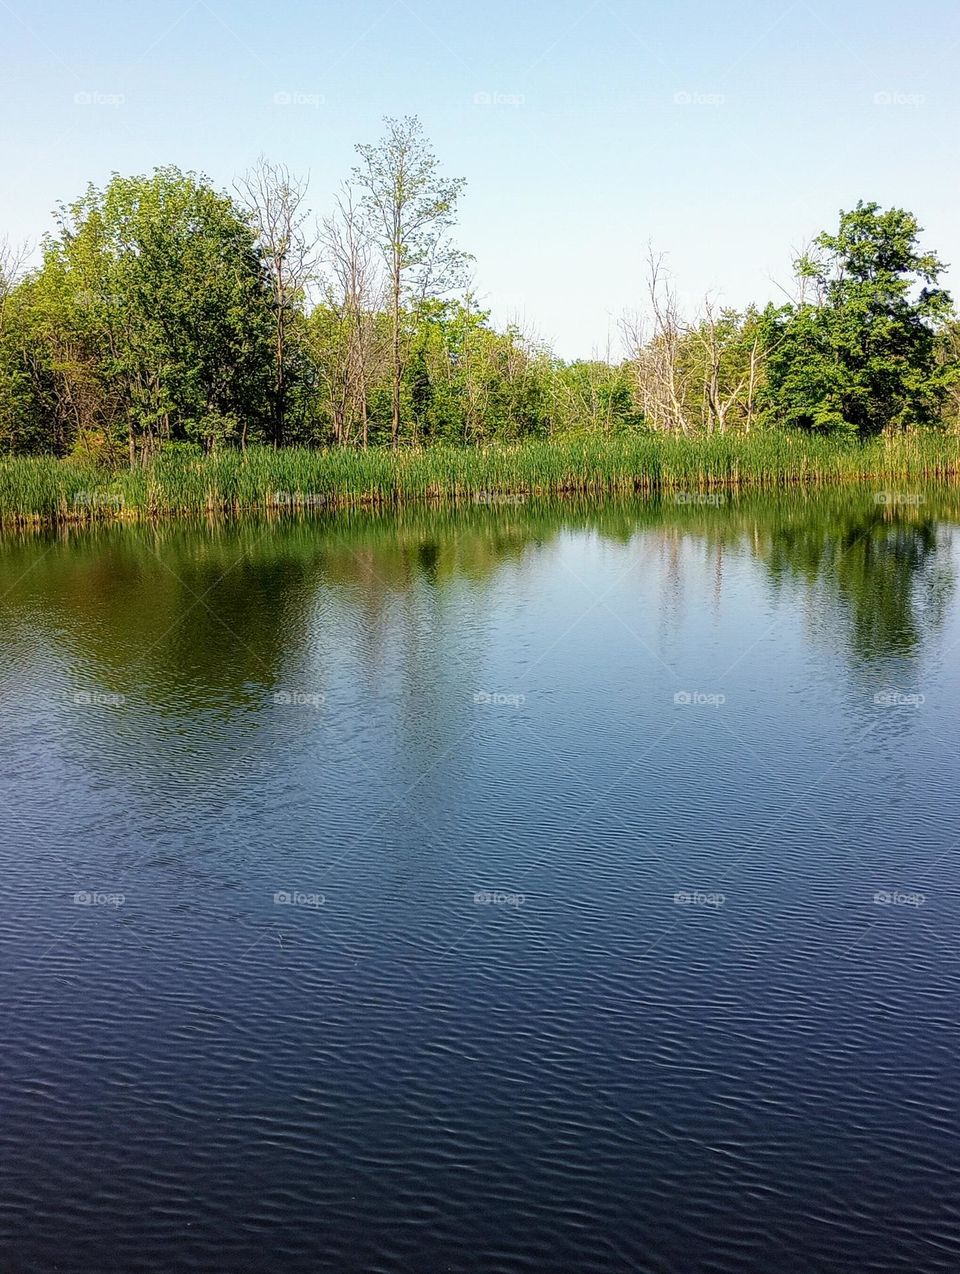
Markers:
point(44, 489)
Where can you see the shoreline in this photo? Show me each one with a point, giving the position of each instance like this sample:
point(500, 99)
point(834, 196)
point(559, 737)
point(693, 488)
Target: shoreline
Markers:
point(44, 491)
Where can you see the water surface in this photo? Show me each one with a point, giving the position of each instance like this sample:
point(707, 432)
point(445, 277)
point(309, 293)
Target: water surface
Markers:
point(567, 888)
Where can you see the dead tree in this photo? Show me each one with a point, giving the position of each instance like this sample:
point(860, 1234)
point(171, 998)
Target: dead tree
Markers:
point(657, 351)
point(354, 296)
point(276, 203)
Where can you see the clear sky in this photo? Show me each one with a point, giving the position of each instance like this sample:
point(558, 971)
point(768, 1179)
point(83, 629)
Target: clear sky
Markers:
point(725, 134)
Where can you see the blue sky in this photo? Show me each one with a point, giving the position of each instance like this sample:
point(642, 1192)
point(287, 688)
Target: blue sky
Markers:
point(725, 134)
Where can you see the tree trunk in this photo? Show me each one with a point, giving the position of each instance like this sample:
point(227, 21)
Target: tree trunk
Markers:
point(395, 423)
point(279, 406)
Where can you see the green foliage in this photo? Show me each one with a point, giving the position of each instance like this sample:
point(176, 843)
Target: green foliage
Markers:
point(148, 315)
point(860, 355)
point(593, 395)
point(162, 313)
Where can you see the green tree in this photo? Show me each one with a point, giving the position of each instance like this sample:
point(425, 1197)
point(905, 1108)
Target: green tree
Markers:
point(859, 356)
point(410, 209)
point(153, 304)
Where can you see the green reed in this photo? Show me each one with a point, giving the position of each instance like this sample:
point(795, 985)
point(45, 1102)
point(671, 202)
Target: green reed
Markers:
point(44, 489)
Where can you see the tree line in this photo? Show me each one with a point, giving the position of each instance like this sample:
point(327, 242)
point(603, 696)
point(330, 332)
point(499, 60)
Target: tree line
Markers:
point(165, 312)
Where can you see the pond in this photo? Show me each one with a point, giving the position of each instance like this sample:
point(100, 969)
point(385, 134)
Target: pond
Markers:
point(519, 887)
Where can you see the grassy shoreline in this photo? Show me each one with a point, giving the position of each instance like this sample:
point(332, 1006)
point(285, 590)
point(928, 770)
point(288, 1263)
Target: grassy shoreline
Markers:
point(45, 490)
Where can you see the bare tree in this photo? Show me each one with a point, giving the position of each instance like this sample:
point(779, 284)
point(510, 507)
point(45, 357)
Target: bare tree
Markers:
point(700, 374)
point(719, 338)
point(409, 208)
point(657, 353)
point(13, 261)
point(353, 296)
point(276, 202)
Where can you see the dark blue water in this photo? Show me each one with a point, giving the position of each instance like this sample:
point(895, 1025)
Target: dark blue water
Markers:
point(549, 889)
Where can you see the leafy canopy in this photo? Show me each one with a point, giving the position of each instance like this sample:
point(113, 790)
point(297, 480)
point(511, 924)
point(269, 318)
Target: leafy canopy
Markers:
point(857, 354)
